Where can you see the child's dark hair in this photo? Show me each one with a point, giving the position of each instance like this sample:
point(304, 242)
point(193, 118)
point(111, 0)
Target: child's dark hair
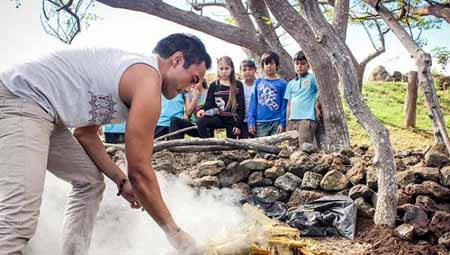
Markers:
point(299, 56)
point(270, 57)
point(248, 63)
point(192, 47)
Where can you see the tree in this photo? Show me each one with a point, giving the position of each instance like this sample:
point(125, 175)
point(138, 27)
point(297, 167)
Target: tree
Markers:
point(313, 21)
point(256, 37)
point(411, 100)
point(423, 63)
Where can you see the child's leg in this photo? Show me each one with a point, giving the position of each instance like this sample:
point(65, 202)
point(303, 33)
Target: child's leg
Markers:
point(274, 127)
point(263, 129)
point(229, 124)
point(206, 123)
point(293, 126)
point(244, 131)
point(160, 131)
point(306, 131)
point(178, 124)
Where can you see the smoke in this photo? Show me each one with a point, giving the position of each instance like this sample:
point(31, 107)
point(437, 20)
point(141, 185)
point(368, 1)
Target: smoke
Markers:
point(206, 214)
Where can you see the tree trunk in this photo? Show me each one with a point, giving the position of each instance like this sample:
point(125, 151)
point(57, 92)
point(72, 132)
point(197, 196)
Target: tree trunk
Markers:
point(335, 134)
point(386, 211)
point(341, 15)
point(261, 16)
point(411, 100)
point(360, 69)
point(423, 63)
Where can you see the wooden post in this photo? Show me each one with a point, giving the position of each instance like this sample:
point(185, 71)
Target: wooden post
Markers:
point(411, 100)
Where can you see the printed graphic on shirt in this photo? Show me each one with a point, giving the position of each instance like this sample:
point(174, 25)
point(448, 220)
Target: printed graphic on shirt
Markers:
point(306, 83)
point(102, 109)
point(220, 103)
point(267, 96)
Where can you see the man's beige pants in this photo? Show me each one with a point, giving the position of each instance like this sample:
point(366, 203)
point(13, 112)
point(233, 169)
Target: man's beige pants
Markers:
point(31, 143)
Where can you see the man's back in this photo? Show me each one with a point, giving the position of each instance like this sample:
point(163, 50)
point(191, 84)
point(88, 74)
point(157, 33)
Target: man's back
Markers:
point(77, 87)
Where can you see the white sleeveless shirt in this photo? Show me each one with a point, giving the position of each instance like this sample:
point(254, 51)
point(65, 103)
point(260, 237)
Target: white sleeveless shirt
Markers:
point(77, 87)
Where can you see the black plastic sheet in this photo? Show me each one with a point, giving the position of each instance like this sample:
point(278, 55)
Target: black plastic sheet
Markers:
point(326, 216)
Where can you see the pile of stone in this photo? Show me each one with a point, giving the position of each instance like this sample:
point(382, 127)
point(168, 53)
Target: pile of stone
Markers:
point(295, 177)
point(380, 73)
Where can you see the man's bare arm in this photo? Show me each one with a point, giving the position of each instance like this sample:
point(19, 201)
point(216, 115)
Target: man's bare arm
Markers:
point(89, 139)
point(142, 119)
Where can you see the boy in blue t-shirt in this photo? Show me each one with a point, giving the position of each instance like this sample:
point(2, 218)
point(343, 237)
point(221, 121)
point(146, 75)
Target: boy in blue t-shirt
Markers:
point(169, 108)
point(267, 107)
point(114, 133)
point(302, 108)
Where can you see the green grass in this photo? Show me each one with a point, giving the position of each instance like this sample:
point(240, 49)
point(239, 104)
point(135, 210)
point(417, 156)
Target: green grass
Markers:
point(386, 100)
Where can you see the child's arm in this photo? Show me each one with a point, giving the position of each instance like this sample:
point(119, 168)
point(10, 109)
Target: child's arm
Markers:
point(318, 107)
point(283, 108)
point(190, 102)
point(288, 109)
point(251, 121)
point(318, 110)
point(210, 101)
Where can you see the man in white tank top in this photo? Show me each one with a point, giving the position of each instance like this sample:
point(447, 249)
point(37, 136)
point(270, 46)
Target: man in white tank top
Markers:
point(84, 89)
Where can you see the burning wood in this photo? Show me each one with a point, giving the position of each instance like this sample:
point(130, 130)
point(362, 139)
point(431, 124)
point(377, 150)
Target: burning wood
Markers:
point(263, 236)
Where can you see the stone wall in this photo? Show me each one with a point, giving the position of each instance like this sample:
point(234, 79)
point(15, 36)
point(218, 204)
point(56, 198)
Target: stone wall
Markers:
point(296, 177)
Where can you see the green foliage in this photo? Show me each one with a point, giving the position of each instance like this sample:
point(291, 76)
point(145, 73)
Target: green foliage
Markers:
point(386, 100)
point(443, 55)
point(267, 20)
point(230, 20)
point(414, 24)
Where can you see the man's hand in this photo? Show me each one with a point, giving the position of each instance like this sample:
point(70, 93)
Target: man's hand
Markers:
point(280, 129)
point(252, 130)
point(201, 114)
point(128, 194)
point(183, 243)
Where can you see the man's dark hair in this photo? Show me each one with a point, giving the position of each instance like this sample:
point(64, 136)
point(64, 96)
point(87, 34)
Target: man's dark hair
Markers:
point(270, 57)
point(300, 56)
point(192, 47)
point(248, 63)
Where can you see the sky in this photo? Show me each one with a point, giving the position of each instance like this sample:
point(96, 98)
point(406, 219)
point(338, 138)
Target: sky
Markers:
point(138, 32)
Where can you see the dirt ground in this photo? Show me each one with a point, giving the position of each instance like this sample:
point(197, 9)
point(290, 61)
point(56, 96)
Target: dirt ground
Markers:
point(375, 240)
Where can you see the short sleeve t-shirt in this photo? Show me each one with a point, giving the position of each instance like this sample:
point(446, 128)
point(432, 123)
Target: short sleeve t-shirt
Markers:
point(302, 94)
point(247, 93)
point(171, 108)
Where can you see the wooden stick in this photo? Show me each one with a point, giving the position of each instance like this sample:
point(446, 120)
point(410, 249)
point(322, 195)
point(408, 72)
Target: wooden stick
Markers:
point(214, 144)
point(175, 133)
point(184, 149)
point(237, 144)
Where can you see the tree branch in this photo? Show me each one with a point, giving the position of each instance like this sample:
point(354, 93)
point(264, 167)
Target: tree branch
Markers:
point(161, 138)
point(200, 6)
point(439, 11)
point(158, 8)
point(378, 51)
